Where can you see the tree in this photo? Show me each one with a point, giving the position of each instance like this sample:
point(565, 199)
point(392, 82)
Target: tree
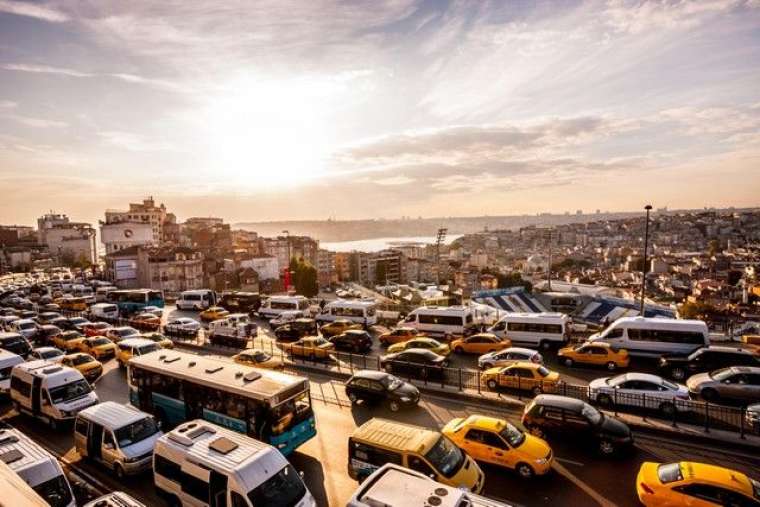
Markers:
point(304, 277)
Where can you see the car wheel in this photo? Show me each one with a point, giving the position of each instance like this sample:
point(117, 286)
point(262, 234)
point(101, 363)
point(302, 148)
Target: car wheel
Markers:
point(568, 362)
point(667, 408)
point(677, 373)
point(604, 400)
point(545, 345)
point(459, 350)
point(606, 447)
point(53, 424)
point(486, 366)
point(710, 394)
point(353, 398)
point(394, 406)
point(492, 385)
point(119, 471)
point(611, 366)
point(525, 471)
point(537, 390)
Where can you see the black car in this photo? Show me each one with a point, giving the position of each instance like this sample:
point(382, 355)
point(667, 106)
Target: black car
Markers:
point(705, 359)
point(353, 340)
point(75, 323)
point(46, 332)
point(296, 329)
point(14, 342)
point(380, 387)
point(420, 363)
point(578, 421)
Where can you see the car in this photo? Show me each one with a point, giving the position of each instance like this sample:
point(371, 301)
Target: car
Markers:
point(338, 326)
point(158, 312)
point(354, 340)
point(296, 329)
point(571, 419)
point(509, 356)
point(46, 333)
point(706, 359)
point(397, 335)
point(5, 321)
point(68, 341)
point(481, 343)
point(418, 363)
point(369, 386)
point(421, 342)
point(641, 390)
point(50, 307)
point(90, 368)
point(52, 354)
point(145, 320)
point(25, 327)
point(311, 347)
point(694, 484)
point(752, 416)
point(96, 329)
point(498, 442)
point(523, 376)
point(259, 359)
point(46, 317)
point(213, 313)
point(594, 354)
point(737, 384)
point(75, 323)
point(161, 340)
point(116, 334)
point(100, 347)
point(27, 314)
point(285, 317)
point(183, 325)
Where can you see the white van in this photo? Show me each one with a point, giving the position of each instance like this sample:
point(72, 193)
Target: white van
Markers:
point(115, 499)
point(441, 320)
point(37, 467)
point(359, 311)
point(101, 293)
point(104, 311)
point(397, 486)
point(653, 337)
point(50, 392)
point(119, 436)
point(544, 330)
point(196, 299)
point(275, 305)
point(200, 463)
point(7, 361)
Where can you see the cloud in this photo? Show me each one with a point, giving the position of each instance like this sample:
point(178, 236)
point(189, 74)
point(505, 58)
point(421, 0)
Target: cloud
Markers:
point(640, 17)
point(395, 181)
point(133, 142)
point(31, 10)
point(37, 122)
point(7, 104)
point(44, 69)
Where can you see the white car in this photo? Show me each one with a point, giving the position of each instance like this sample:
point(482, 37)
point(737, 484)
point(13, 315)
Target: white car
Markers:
point(509, 356)
point(185, 324)
point(639, 390)
point(52, 354)
point(158, 312)
point(285, 317)
point(25, 327)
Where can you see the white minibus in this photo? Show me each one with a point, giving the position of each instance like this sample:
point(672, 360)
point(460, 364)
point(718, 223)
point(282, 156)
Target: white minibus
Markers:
point(544, 330)
point(359, 311)
point(7, 361)
point(199, 299)
point(441, 320)
point(275, 305)
point(104, 311)
point(200, 463)
point(101, 293)
point(50, 392)
point(118, 436)
point(653, 337)
point(37, 467)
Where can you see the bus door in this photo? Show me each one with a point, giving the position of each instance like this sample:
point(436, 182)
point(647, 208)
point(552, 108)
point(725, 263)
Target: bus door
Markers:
point(218, 489)
point(36, 395)
point(95, 441)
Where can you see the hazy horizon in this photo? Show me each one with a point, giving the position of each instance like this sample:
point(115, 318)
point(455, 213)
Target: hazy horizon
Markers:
point(282, 110)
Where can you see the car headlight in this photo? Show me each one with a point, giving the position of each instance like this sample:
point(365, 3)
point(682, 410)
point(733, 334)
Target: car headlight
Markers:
point(406, 399)
point(541, 461)
point(132, 460)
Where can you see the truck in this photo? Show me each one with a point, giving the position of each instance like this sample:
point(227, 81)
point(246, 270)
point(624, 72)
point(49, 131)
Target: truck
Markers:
point(232, 331)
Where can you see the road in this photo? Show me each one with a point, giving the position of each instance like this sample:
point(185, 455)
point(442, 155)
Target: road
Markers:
point(579, 477)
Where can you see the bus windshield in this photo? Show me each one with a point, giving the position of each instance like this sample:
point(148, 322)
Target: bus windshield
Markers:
point(290, 412)
point(446, 457)
point(283, 489)
point(68, 392)
point(136, 432)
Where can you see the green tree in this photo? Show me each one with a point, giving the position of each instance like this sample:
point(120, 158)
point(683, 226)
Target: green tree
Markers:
point(304, 277)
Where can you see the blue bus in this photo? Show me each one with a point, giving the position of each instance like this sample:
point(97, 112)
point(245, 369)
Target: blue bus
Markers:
point(132, 301)
point(267, 405)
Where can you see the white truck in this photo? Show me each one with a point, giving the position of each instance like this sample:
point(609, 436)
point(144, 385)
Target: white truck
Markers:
point(232, 331)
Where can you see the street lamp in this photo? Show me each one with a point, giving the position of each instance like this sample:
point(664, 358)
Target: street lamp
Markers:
point(648, 207)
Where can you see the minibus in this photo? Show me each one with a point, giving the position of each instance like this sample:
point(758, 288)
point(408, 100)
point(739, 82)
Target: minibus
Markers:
point(200, 463)
point(275, 305)
point(544, 330)
point(196, 299)
point(359, 311)
point(104, 311)
point(654, 337)
point(7, 361)
point(118, 436)
point(441, 320)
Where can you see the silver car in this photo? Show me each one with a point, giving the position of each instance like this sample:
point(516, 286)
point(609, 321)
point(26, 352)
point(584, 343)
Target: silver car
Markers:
point(639, 390)
point(509, 356)
point(736, 383)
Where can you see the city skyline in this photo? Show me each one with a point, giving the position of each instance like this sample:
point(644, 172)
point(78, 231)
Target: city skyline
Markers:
point(287, 110)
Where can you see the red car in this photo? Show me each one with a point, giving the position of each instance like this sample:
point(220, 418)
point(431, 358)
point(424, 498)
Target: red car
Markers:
point(95, 328)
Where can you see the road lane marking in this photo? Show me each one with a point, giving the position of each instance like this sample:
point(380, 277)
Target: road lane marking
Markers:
point(598, 498)
point(569, 461)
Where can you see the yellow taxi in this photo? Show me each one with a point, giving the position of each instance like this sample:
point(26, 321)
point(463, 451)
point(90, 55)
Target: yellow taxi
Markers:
point(99, 346)
point(397, 335)
point(481, 343)
point(498, 442)
point(312, 347)
point(259, 359)
point(213, 313)
point(160, 340)
point(339, 326)
point(594, 354)
point(522, 375)
point(421, 342)
point(88, 366)
point(695, 485)
point(69, 341)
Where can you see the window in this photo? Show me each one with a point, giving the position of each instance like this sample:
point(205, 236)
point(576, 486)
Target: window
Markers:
point(374, 455)
point(666, 336)
point(283, 489)
point(599, 351)
point(108, 439)
point(616, 333)
point(81, 426)
point(533, 327)
point(237, 500)
point(418, 465)
point(168, 469)
point(701, 491)
point(21, 387)
point(195, 487)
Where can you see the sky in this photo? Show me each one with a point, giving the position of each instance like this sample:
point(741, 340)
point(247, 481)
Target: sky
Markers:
point(291, 109)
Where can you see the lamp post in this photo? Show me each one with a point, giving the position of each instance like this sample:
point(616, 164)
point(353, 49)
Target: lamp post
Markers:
point(648, 207)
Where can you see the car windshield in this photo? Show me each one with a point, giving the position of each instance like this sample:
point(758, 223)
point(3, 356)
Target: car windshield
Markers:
point(591, 414)
point(722, 374)
point(27, 325)
point(391, 383)
point(127, 332)
point(55, 491)
point(543, 371)
point(670, 385)
point(283, 489)
point(51, 353)
point(136, 432)
point(100, 341)
point(261, 357)
point(82, 360)
point(147, 348)
point(445, 457)
point(512, 435)
point(70, 391)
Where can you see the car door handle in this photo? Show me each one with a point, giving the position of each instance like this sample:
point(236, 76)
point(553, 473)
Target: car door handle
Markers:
point(497, 453)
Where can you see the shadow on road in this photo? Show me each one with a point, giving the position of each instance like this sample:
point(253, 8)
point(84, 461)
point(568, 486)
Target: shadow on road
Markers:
point(314, 476)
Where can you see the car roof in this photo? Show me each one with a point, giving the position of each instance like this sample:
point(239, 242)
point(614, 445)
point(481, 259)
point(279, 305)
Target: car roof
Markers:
point(745, 369)
point(717, 475)
point(644, 377)
point(521, 350)
point(113, 415)
point(524, 364)
point(559, 401)
point(370, 374)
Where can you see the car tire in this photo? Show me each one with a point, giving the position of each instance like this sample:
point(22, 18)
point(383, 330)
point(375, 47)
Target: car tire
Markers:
point(709, 394)
point(604, 400)
point(118, 470)
point(677, 373)
point(568, 362)
point(545, 345)
point(492, 385)
point(525, 471)
point(606, 448)
point(394, 406)
point(667, 408)
point(611, 366)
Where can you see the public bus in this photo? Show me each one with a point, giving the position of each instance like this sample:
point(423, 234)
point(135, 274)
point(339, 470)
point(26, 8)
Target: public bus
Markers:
point(441, 321)
point(270, 406)
point(132, 301)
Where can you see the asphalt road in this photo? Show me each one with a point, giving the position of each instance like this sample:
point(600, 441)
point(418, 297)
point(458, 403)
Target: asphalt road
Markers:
point(579, 477)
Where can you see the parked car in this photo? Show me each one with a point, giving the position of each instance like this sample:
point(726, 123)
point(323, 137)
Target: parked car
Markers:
point(259, 359)
point(46, 317)
point(183, 325)
point(397, 335)
point(25, 327)
point(421, 342)
point(737, 384)
point(116, 334)
point(213, 313)
point(6, 320)
point(75, 324)
point(509, 356)
point(90, 368)
point(159, 339)
point(641, 390)
point(481, 343)
point(68, 341)
point(145, 320)
point(14, 342)
point(338, 326)
point(354, 340)
point(100, 347)
point(418, 363)
point(705, 359)
point(50, 307)
point(158, 312)
point(96, 329)
point(296, 329)
point(523, 376)
point(574, 420)
point(46, 333)
point(285, 317)
point(312, 347)
point(52, 354)
point(370, 386)
point(594, 354)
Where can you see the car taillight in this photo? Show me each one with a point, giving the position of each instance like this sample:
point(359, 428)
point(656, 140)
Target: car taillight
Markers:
point(647, 489)
point(535, 359)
